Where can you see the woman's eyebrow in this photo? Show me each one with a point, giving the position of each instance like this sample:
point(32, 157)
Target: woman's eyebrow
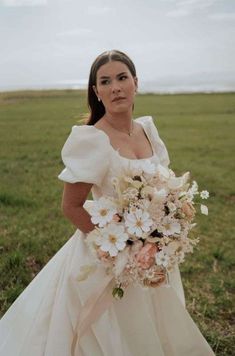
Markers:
point(118, 75)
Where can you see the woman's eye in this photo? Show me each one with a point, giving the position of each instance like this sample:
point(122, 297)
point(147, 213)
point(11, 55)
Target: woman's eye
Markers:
point(104, 81)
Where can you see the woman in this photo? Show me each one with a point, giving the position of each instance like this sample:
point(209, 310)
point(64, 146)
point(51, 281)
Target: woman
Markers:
point(59, 314)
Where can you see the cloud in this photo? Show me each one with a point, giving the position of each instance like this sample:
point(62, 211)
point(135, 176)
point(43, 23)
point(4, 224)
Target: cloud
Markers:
point(19, 3)
point(222, 16)
point(178, 13)
point(196, 4)
point(98, 10)
point(75, 32)
point(188, 7)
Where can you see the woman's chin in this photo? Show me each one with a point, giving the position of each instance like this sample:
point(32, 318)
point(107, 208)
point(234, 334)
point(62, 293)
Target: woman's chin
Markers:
point(122, 108)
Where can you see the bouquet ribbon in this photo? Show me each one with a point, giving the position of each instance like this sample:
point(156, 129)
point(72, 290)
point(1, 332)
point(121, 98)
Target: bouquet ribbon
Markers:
point(94, 306)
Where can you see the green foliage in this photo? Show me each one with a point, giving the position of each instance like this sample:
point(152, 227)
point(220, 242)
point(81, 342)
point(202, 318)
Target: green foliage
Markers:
point(198, 131)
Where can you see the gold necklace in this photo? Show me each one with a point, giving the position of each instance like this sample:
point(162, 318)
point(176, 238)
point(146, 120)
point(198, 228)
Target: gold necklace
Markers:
point(130, 133)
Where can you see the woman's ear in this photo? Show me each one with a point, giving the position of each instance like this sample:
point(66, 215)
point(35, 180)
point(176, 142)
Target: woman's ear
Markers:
point(136, 83)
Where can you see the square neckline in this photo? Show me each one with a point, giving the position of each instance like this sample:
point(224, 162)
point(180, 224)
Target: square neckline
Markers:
point(126, 158)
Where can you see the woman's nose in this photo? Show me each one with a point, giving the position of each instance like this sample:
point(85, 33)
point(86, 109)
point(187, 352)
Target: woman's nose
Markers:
point(115, 87)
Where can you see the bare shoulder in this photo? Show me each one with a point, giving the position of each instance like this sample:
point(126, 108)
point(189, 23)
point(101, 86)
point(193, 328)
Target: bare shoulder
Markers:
point(101, 124)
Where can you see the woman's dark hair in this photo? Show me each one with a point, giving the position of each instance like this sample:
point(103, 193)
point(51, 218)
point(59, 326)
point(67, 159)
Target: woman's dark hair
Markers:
point(97, 109)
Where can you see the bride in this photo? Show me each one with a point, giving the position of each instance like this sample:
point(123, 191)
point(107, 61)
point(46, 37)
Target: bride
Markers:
point(58, 313)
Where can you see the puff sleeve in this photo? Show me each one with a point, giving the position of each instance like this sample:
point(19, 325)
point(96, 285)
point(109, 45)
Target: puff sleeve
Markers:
point(160, 147)
point(85, 155)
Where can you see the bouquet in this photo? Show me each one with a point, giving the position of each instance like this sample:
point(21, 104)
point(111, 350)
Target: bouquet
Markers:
point(142, 230)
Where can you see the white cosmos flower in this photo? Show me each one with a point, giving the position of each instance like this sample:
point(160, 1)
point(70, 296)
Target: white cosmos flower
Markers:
point(169, 226)
point(113, 239)
point(102, 211)
point(161, 259)
point(204, 194)
point(137, 222)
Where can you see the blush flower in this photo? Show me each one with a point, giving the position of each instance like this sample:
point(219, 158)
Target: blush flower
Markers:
point(155, 281)
point(103, 256)
point(188, 209)
point(146, 256)
point(169, 227)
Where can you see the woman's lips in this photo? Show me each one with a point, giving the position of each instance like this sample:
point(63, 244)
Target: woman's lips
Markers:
point(118, 99)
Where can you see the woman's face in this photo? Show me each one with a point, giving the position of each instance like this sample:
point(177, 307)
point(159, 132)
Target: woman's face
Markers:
point(113, 80)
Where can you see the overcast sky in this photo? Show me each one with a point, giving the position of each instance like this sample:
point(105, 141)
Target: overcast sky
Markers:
point(50, 42)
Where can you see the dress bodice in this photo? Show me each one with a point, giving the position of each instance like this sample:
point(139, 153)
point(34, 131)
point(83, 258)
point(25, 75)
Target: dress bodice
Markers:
point(89, 156)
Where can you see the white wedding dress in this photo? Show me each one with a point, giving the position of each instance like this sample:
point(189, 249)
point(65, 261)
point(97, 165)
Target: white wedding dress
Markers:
point(57, 315)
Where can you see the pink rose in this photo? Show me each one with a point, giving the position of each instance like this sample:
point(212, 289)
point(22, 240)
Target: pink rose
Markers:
point(103, 255)
point(159, 278)
point(145, 257)
point(188, 209)
point(136, 247)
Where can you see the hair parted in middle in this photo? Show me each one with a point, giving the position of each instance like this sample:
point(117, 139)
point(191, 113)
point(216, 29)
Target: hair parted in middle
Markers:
point(97, 109)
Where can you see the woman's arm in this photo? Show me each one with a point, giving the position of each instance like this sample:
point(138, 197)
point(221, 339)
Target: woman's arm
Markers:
point(74, 196)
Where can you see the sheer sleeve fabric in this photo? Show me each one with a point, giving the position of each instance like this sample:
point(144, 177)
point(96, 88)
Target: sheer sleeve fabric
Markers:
point(86, 155)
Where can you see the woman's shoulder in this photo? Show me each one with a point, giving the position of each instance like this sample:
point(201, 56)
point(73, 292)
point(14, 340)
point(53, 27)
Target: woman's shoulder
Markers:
point(145, 119)
point(148, 123)
point(85, 154)
point(85, 141)
point(87, 135)
point(90, 130)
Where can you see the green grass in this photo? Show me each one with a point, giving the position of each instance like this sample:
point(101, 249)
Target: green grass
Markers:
point(198, 131)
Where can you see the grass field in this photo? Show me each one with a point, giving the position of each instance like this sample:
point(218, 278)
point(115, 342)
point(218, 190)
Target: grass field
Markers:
point(198, 130)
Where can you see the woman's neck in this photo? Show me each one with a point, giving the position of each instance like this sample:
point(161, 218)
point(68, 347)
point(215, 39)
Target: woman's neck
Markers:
point(120, 121)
